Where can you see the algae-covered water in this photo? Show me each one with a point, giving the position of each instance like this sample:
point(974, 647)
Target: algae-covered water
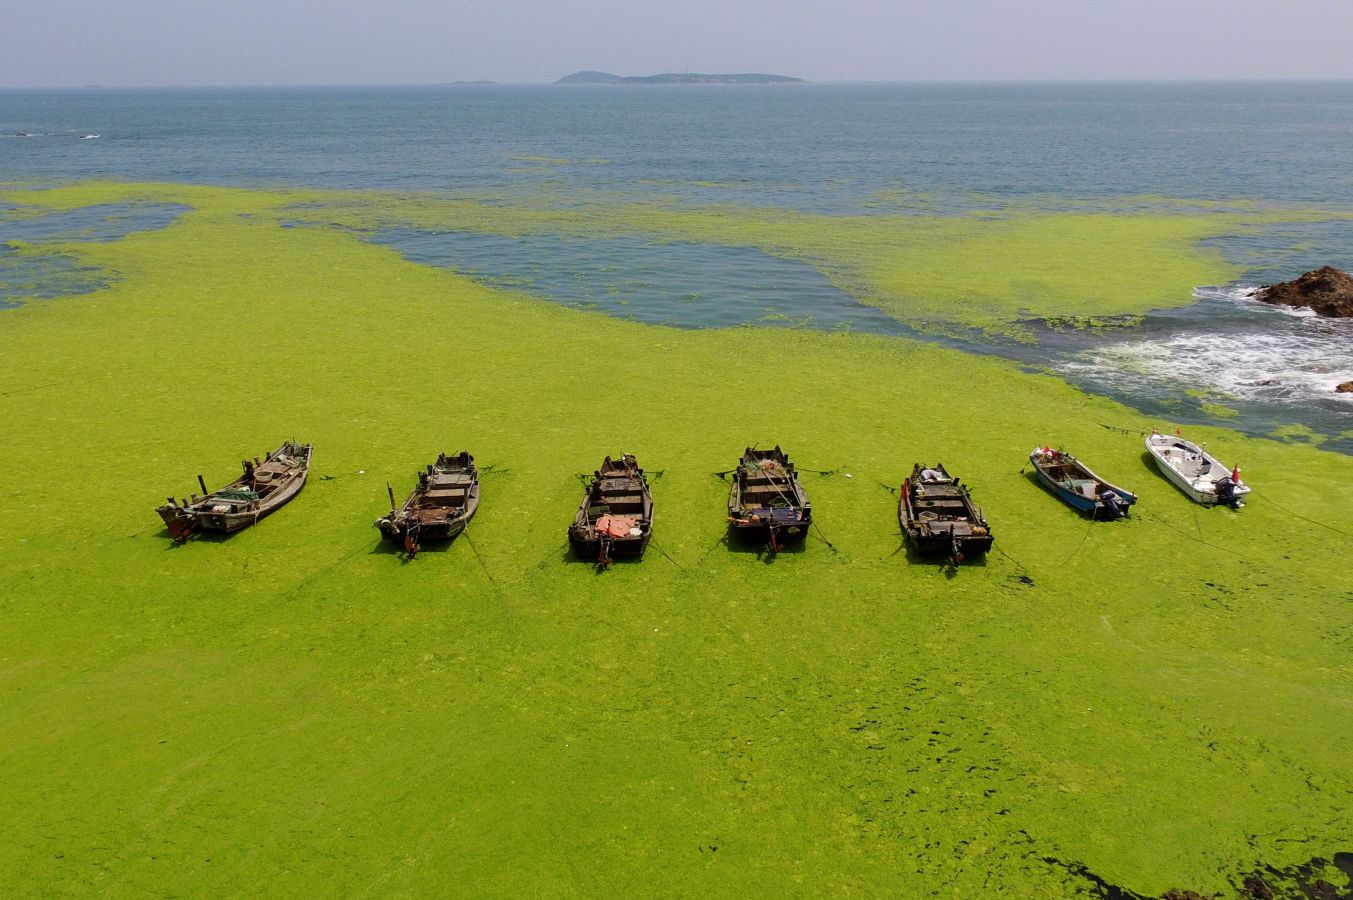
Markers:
point(1096, 709)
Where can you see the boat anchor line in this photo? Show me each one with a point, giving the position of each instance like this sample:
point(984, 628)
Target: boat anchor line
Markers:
point(658, 547)
point(1170, 525)
point(364, 547)
point(1027, 573)
point(1124, 430)
point(1084, 537)
point(479, 559)
point(1304, 518)
point(36, 387)
point(823, 538)
point(553, 554)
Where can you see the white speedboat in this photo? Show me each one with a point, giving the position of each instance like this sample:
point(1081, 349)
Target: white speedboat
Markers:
point(1196, 472)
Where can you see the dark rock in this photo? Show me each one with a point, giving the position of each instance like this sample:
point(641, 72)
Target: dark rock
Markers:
point(1327, 291)
point(1345, 388)
point(1258, 889)
point(1323, 890)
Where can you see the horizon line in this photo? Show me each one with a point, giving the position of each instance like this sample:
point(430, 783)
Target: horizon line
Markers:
point(845, 82)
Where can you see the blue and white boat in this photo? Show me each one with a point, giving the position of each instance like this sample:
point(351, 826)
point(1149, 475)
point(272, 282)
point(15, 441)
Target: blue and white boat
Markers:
point(1072, 481)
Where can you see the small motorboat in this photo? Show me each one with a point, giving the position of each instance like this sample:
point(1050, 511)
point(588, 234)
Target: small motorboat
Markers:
point(766, 501)
point(265, 486)
point(615, 519)
point(1072, 481)
point(1196, 472)
point(938, 516)
point(439, 508)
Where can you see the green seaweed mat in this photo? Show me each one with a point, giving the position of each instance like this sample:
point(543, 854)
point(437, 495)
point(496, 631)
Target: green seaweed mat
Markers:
point(297, 710)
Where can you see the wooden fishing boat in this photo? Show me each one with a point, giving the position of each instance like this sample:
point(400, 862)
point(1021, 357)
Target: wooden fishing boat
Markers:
point(1196, 472)
point(615, 519)
point(265, 486)
point(766, 501)
point(938, 516)
point(439, 508)
point(1072, 481)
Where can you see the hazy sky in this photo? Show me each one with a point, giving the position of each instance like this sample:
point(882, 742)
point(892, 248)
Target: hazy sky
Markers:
point(196, 42)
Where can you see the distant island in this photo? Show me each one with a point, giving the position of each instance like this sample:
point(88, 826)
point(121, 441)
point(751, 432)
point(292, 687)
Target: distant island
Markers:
point(676, 78)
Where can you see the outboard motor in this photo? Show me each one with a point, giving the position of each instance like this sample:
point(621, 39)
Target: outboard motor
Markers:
point(1226, 492)
point(1112, 505)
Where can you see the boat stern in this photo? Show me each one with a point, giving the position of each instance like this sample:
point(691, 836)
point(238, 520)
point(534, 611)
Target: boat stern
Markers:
point(180, 521)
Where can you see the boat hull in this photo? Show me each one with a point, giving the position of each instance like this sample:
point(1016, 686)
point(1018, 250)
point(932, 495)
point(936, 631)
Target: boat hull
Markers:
point(785, 532)
point(619, 548)
point(440, 507)
point(1068, 496)
point(441, 531)
point(226, 514)
point(615, 516)
point(938, 517)
point(766, 502)
point(1072, 494)
point(1201, 483)
point(939, 541)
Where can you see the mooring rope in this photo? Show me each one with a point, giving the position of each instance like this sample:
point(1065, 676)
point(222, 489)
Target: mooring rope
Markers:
point(823, 538)
point(1124, 430)
point(553, 553)
point(1172, 527)
point(658, 547)
point(1012, 559)
point(480, 559)
point(1084, 537)
point(1300, 516)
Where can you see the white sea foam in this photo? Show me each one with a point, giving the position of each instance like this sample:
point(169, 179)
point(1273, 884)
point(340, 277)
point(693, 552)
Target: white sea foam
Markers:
point(1269, 356)
point(1249, 296)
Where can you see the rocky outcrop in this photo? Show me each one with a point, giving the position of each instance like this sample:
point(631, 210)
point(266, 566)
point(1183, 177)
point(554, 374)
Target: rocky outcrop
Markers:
point(1327, 291)
point(1345, 388)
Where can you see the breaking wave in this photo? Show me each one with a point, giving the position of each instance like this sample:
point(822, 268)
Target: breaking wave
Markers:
point(1231, 345)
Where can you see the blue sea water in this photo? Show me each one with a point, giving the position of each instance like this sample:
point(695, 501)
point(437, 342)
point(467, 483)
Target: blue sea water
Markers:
point(821, 147)
point(660, 283)
point(838, 149)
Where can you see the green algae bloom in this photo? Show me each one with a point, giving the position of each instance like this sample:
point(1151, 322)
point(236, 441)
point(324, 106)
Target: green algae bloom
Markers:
point(1158, 703)
point(1218, 410)
point(992, 267)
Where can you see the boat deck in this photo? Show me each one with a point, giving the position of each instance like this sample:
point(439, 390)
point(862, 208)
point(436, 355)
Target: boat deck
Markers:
point(1191, 464)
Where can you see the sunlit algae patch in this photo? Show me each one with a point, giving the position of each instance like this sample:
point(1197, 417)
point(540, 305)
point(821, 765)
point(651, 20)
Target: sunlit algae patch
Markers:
point(1161, 703)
